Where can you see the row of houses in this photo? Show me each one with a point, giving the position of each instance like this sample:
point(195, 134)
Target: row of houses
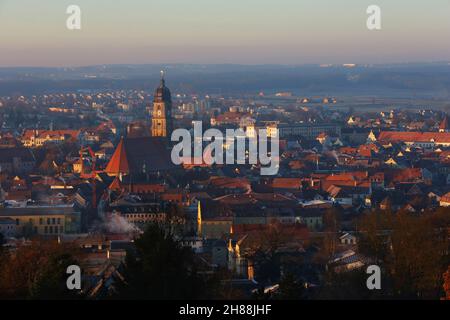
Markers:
point(43, 220)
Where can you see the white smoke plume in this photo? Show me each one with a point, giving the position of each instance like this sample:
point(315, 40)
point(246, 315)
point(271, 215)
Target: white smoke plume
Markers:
point(115, 223)
point(112, 222)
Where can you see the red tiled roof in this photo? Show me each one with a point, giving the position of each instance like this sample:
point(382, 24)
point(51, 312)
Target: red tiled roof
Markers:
point(341, 177)
point(407, 175)
point(51, 133)
point(446, 197)
point(403, 136)
point(356, 178)
point(226, 182)
point(115, 185)
point(287, 183)
point(348, 150)
point(367, 149)
point(119, 162)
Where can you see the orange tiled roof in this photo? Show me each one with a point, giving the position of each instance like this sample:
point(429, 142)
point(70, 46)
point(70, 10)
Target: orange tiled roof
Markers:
point(119, 161)
point(410, 136)
point(287, 183)
point(407, 174)
point(446, 197)
point(227, 182)
point(341, 177)
point(366, 150)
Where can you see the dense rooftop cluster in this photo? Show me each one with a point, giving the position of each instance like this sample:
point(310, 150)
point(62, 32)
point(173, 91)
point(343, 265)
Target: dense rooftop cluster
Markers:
point(83, 168)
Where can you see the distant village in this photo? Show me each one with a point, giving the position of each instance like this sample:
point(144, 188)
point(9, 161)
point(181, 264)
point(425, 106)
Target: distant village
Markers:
point(93, 169)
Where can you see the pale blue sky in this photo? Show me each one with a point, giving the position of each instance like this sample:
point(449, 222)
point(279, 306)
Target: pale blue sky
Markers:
point(33, 32)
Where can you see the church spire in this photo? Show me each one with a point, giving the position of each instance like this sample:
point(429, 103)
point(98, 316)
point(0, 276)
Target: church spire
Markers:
point(162, 110)
point(444, 126)
point(118, 165)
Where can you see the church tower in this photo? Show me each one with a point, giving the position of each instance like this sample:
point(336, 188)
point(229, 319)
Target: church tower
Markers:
point(162, 111)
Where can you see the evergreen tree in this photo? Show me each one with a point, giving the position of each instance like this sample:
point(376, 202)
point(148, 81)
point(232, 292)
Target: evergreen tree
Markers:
point(291, 288)
point(160, 268)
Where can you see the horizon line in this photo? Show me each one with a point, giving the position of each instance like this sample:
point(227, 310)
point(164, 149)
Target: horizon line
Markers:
point(323, 65)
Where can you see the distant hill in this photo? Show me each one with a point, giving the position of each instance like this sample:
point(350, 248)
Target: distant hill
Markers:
point(422, 79)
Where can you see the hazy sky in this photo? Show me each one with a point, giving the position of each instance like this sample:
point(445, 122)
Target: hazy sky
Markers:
point(34, 33)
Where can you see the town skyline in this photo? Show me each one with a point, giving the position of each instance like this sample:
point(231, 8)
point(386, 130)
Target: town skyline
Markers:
point(248, 152)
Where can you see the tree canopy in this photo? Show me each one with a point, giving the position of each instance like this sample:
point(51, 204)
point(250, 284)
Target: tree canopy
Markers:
point(160, 268)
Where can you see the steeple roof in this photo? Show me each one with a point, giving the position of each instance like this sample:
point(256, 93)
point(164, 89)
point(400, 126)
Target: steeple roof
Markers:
point(444, 124)
point(119, 161)
point(162, 93)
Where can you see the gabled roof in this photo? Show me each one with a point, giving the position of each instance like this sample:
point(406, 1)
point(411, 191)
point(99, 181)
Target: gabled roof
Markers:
point(119, 161)
point(115, 185)
point(403, 175)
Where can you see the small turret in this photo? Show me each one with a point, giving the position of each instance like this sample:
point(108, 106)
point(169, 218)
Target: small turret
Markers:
point(199, 220)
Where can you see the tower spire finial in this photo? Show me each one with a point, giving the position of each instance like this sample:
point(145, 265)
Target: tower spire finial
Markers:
point(163, 82)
